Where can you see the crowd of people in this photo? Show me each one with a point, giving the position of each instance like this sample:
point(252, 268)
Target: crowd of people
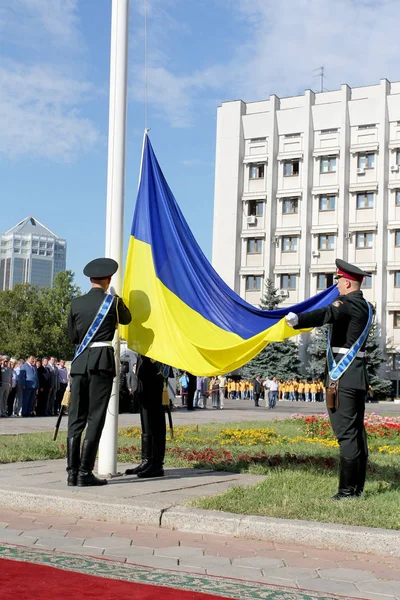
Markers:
point(261, 388)
point(32, 387)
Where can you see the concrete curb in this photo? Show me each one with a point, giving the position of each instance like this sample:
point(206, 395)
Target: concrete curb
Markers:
point(82, 508)
point(330, 536)
point(318, 535)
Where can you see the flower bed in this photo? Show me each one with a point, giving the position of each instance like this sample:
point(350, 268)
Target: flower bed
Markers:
point(207, 446)
point(377, 426)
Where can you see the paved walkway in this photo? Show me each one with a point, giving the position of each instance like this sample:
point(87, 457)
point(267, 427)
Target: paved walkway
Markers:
point(344, 573)
point(235, 410)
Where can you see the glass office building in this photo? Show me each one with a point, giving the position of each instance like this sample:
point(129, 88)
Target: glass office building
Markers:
point(30, 253)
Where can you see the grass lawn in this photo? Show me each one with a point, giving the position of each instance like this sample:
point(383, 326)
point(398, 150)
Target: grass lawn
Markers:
point(298, 457)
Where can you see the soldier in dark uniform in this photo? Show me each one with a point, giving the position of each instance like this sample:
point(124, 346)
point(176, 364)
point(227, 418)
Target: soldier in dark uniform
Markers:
point(348, 316)
point(152, 416)
point(92, 372)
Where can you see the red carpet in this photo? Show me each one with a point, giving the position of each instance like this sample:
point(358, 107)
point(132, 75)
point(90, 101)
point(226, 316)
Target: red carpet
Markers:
point(37, 574)
point(26, 581)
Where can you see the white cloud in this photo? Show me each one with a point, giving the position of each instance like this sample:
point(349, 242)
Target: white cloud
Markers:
point(39, 115)
point(42, 93)
point(282, 43)
point(29, 20)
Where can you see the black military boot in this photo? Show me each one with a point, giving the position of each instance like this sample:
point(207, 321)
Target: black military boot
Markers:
point(73, 459)
point(347, 479)
point(362, 473)
point(147, 450)
point(156, 464)
point(85, 474)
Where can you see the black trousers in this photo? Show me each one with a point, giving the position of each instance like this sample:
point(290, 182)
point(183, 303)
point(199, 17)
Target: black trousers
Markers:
point(59, 397)
point(348, 424)
point(152, 418)
point(10, 400)
point(90, 394)
point(41, 403)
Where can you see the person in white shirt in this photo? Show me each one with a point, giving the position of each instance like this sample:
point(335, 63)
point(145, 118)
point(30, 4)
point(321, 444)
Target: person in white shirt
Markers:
point(222, 385)
point(267, 384)
point(273, 392)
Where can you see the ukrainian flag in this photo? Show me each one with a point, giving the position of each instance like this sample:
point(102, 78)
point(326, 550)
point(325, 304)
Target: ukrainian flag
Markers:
point(183, 313)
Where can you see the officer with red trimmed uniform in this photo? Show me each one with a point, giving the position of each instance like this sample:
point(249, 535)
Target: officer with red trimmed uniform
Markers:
point(350, 317)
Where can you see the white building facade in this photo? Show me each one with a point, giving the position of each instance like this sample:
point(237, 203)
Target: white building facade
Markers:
point(30, 253)
point(304, 180)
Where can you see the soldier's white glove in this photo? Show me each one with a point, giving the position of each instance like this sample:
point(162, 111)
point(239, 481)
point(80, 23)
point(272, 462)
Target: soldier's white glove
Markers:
point(292, 319)
point(111, 290)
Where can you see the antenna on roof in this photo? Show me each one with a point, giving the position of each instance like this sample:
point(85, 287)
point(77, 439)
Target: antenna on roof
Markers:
point(322, 76)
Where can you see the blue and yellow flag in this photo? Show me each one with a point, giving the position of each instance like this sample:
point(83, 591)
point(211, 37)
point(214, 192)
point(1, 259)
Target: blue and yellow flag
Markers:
point(183, 313)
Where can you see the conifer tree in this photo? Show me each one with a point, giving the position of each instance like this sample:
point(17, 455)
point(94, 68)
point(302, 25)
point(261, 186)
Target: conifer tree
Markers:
point(316, 350)
point(279, 359)
point(374, 359)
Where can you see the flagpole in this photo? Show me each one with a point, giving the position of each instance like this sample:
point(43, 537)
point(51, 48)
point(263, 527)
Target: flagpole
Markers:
point(115, 205)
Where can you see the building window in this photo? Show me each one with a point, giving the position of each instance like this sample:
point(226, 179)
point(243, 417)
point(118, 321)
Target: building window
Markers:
point(288, 282)
point(289, 244)
point(397, 238)
point(398, 157)
point(367, 282)
point(369, 126)
point(256, 172)
point(396, 362)
point(255, 208)
point(397, 197)
point(365, 200)
point(292, 135)
point(364, 239)
point(396, 320)
point(326, 241)
point(254, 246)
point(325, 131)
point(253, 283)
point(397, 279)
point(366, 160)
point(324, 280)
point(290, 206)
point(327, 202)
point(328, 164)
point(291, 168)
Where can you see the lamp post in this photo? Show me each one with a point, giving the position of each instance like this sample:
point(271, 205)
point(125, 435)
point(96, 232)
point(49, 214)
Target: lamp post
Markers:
point(115, 204)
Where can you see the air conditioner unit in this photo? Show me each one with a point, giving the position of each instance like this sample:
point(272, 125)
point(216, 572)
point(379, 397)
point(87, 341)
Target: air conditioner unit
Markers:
point(284, 293)
point(394, 168)
point(360, 171)
point(347, 236)
point(252, 220)
point(315, 254)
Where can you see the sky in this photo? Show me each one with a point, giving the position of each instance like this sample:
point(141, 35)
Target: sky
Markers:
point(54, 85)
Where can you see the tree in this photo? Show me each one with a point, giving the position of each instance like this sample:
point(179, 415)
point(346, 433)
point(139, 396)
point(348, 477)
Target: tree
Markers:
point(22, 321)
point(374, 359)
point(56, 303)
point(271, 298)
point(34, 321)
point(317, 352)
point(279, 359)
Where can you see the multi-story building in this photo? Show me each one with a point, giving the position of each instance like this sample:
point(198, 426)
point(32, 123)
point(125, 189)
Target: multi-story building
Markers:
point(301, 181)
point(30, 253)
